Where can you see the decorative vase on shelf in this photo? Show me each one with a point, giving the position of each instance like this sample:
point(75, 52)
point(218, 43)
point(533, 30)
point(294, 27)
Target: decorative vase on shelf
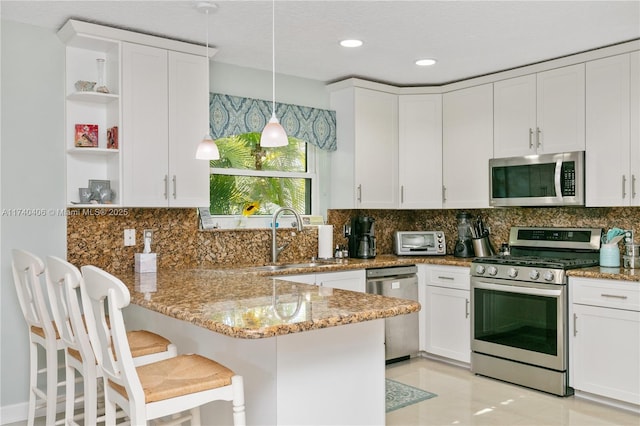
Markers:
point(101, 86)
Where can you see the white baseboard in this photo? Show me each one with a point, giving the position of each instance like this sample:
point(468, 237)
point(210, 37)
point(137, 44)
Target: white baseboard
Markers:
point(14, 413)
point(19, 412)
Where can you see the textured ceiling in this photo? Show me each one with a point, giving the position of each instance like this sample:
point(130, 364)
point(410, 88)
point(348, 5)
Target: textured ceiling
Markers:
point(469, 38)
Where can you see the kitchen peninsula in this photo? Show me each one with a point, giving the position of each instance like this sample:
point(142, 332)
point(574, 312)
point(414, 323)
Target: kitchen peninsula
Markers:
point(309, 354)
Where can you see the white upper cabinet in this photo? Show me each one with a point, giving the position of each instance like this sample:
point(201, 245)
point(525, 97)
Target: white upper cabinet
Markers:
point(165, 105)
point(365, 167)
point(467, 146)
point(420, 151)
point(540, 113)
point(613, 116)
point(157, 104)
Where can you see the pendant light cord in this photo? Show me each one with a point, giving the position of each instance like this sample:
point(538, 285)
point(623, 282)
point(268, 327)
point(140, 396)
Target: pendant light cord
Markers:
point(273, 57)
point(207, 57)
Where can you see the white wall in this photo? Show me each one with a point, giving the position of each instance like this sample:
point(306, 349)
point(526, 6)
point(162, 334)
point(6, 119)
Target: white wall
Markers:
point(32, 169)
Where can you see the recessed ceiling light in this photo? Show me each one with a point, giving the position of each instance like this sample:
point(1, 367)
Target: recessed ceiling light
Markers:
point(425, 62)
point(351, 43)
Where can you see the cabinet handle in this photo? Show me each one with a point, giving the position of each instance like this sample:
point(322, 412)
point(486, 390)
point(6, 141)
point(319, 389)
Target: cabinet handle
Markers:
point(538, 137)
point(466, 308)
point(166, 187)
point(359, 193)
point(446, 278)
point(624, 184)
point(444, 193)
point(575, 324)
point(633, 186)
point(530, 138)
point(401, 193)
point(615, 296)
point(175, 187)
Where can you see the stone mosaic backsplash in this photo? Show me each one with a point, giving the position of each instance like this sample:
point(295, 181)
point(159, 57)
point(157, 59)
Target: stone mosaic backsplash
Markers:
point(98, 239)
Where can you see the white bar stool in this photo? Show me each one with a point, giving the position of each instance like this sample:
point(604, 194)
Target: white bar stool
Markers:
point(63, 284)
point(154, 390)
point(27, 270)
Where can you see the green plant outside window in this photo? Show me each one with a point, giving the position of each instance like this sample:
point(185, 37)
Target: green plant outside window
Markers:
point(247, 175)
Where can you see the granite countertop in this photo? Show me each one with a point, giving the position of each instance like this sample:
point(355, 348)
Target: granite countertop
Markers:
point(251, 306)
point(252, 303)
point(599, 272)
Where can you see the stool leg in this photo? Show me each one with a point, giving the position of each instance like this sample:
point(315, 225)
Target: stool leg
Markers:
point(52, 384)
point(90, 397)
point(70, 393)
point(33, 382)
point(195, 416)
point(239, 418)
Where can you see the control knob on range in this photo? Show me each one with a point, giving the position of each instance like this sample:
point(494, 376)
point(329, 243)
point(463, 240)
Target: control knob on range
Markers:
point(534, 274)
point(513, 272)
point(549, 276)
point(493, 270)
point(479, 269)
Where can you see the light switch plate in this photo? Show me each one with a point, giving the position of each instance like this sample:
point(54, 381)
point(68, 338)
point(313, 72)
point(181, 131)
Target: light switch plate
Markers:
point(129, 237)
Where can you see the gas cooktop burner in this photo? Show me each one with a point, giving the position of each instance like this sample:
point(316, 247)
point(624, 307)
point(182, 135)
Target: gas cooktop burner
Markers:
point(543, 262)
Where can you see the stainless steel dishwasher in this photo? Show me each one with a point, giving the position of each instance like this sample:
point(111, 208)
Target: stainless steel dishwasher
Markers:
point(401, 332)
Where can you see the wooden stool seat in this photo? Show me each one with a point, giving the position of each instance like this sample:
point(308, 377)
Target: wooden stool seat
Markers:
point(179, 376)
point(143, 342)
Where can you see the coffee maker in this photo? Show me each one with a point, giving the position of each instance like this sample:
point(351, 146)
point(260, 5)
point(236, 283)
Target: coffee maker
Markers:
point(362, 241)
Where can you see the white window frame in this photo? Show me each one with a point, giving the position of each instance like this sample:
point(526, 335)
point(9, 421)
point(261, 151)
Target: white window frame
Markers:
point(263, 221)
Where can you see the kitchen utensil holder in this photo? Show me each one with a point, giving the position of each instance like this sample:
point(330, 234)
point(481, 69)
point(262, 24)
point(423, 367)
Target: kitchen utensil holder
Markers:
point(610, 255)
point(482, 247)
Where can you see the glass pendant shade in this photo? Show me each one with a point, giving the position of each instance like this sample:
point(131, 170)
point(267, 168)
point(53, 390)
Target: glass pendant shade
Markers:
point(207, 149)
point(273, 134)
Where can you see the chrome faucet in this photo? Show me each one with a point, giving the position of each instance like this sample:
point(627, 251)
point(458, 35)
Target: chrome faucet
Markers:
point(275, 250)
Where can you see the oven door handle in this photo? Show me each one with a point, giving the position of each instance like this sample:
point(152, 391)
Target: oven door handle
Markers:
point(519, 289)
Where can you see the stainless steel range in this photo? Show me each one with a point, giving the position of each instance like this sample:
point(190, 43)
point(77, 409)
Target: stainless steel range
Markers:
point(519, 307)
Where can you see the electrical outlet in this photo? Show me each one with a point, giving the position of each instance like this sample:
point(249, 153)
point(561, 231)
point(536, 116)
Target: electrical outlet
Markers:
point(147, 233)
point(129, 237)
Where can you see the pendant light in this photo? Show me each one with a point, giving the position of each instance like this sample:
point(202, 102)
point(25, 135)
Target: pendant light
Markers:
point(273, 134)
point(207, 148)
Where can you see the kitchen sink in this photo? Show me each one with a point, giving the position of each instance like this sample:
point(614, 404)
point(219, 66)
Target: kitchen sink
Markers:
point(286, 266)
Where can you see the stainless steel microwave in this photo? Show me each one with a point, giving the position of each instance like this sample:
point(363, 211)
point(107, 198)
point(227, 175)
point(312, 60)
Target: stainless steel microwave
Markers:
point(419, 243)
point(537, 180)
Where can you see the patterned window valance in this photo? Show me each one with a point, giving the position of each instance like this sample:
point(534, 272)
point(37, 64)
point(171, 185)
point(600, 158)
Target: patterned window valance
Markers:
point(233, 115)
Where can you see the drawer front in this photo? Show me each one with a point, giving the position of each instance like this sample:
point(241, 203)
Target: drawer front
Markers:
point(451, 277)
point(606, 293)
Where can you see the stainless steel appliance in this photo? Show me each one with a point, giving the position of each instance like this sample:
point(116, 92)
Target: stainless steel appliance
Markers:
point(419, 243)
point(362, 240)
point(519, 307)
point(537, 180)
point(401, 332)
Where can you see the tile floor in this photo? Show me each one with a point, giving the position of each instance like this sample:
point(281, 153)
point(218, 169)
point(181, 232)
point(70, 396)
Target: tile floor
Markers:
point(466, 399)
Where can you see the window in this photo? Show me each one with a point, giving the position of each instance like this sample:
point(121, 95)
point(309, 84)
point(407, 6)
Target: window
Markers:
point(250, 181)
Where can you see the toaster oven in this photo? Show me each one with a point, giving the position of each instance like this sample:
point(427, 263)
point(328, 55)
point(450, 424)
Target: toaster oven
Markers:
point(419, 243)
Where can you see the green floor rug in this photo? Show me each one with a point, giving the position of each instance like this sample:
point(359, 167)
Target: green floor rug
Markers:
point(400, 395)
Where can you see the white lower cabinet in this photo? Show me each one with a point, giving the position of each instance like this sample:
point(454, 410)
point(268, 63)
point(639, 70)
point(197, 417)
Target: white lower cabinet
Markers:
point(604, 339)
point(445, 326)
point(346, 280)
